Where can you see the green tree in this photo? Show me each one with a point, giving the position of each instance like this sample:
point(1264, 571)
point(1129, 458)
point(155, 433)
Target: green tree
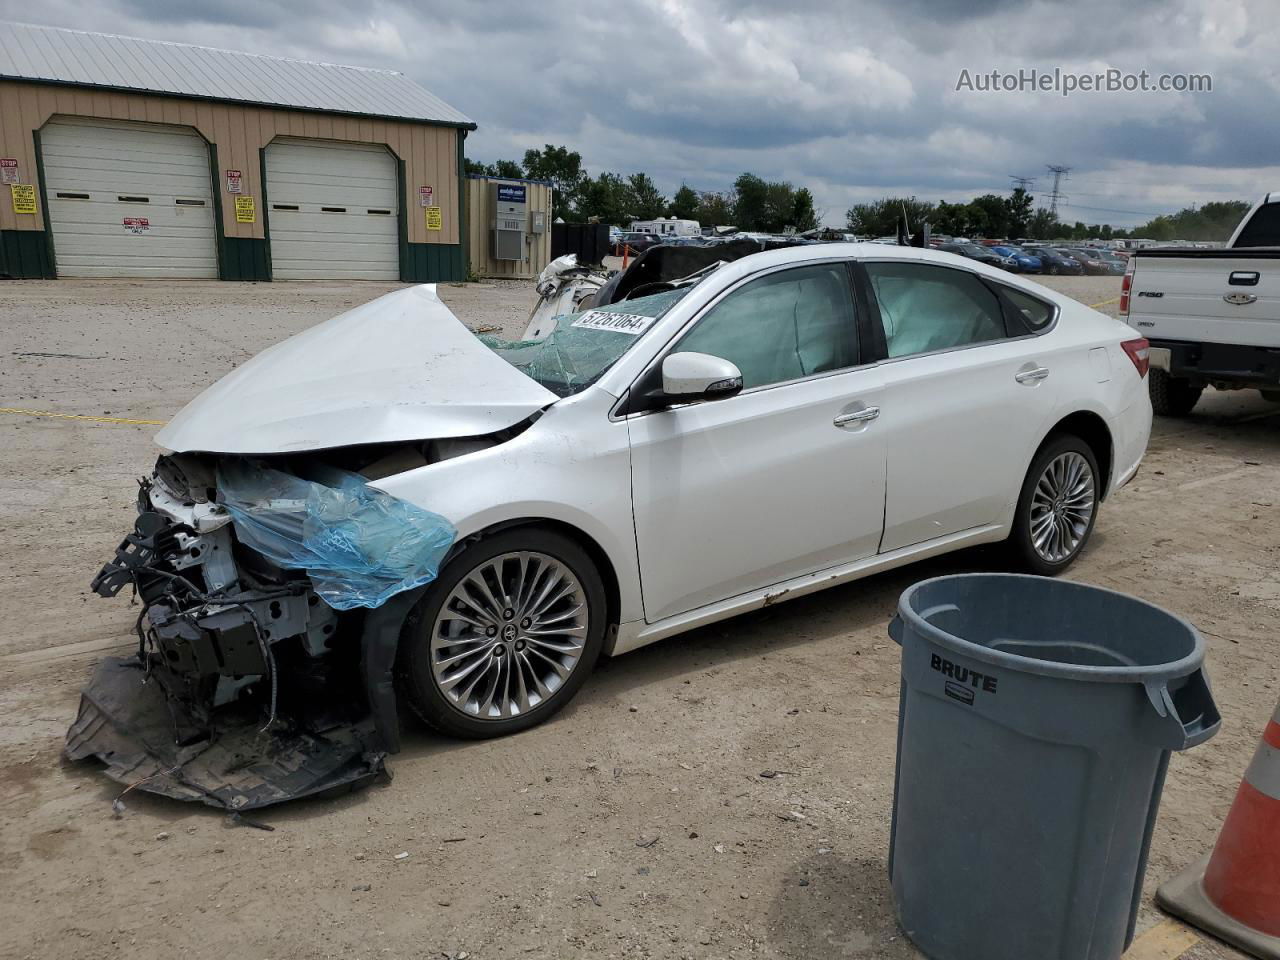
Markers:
point(1043, 224)
point(684, 205)
point(501, 168)
point(751, 202)
point(715, 209)
point(1019, 206)
point(563, 168)
point(803, 215)
point(879, 218)
point(644, 198)
point(605, 198)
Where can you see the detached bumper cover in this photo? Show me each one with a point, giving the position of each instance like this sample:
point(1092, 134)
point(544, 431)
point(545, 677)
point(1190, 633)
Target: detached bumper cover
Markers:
point(127, 724)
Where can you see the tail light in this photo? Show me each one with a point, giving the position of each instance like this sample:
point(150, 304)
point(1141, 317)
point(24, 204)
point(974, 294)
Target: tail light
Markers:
point(1139, 352)
point(1125, 284)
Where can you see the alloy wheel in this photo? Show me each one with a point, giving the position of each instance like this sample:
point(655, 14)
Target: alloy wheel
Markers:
point(1062, 507)
point(509, 635)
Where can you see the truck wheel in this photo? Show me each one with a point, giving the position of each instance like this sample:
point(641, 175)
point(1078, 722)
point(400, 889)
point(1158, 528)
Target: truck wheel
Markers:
point(1172, 396)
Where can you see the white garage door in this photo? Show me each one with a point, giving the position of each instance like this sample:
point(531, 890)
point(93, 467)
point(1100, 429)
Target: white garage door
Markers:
point(333, 211)
point(128, 199)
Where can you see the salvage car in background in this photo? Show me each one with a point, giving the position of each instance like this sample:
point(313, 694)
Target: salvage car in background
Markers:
point(1022, 261)
point(975, 251)
point(691, 447)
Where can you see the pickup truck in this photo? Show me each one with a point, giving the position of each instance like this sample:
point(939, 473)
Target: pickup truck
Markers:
point(1212, 315)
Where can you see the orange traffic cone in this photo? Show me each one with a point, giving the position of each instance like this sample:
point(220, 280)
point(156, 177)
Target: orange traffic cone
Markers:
point(1234, 893)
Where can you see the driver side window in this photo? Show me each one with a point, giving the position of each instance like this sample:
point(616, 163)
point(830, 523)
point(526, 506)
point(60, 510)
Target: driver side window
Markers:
point(784, 326)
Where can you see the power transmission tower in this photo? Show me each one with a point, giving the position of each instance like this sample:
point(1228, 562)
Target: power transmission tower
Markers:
point(1024, 182)
point(1059, 174)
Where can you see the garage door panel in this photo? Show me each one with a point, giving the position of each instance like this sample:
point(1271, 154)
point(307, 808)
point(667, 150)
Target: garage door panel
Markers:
point(106, 160)
point(347, 242)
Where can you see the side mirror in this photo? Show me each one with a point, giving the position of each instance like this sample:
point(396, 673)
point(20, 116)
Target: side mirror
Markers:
point(687, 377)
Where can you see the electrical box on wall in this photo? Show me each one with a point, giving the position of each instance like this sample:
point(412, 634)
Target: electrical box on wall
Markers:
point(538, 221)
point(510, 205)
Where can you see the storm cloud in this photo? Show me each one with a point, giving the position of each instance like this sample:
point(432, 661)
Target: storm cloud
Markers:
point(851, 100)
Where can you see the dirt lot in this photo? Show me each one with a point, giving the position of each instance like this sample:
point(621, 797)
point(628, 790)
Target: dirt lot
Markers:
point(529, 847)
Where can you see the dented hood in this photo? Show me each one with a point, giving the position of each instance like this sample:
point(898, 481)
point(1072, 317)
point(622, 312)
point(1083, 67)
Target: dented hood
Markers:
point(399, 368)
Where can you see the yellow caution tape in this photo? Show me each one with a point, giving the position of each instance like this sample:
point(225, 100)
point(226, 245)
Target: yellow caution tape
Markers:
point(18, 411)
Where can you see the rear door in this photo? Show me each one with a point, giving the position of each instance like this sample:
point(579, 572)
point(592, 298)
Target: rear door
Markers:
point(966, 399)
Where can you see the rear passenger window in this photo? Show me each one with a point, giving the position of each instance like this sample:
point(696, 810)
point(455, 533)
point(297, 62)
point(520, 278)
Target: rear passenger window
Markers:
point(1035, 313)
point(924, 308)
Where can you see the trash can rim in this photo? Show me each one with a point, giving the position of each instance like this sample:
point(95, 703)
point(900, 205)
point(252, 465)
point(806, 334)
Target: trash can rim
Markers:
point(1181, 667)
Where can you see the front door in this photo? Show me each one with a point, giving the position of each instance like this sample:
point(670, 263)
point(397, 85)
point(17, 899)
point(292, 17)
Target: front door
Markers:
point(784, 479)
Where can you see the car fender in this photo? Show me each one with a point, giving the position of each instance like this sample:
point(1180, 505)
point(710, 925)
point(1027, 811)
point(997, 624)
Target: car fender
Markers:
point(572, 466)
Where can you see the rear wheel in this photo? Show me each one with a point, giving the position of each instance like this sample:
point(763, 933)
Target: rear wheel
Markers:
point(505, 636)
point(1172, 396)
point(1057, 507)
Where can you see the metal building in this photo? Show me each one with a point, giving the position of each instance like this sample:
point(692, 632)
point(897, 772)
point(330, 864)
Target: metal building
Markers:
point(510, 226)
point(137, 158)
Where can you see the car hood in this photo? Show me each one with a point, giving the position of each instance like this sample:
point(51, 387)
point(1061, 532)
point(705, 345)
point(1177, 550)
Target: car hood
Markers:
point(398, 368)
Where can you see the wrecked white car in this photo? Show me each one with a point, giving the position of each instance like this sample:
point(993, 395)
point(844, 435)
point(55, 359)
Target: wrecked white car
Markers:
point(385, 511)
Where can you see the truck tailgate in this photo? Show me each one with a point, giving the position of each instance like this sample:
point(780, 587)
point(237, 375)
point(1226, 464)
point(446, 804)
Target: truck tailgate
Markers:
point(1208, 296)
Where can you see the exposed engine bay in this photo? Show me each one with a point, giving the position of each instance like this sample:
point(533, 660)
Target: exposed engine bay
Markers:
point(255, 680)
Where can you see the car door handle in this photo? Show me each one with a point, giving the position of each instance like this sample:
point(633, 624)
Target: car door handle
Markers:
point(865, 415)
point(1032, 376)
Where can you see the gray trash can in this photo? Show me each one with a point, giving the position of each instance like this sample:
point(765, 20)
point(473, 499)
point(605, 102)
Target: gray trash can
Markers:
point(1034, 732)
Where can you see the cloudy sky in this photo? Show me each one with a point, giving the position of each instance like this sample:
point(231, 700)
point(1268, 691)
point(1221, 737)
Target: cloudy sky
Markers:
point(853, 100)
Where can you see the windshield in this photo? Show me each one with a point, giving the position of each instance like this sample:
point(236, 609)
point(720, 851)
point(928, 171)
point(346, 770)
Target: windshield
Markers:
point(584, 345)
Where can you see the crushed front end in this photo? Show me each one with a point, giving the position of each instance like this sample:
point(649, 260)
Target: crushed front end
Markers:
point(248, 687)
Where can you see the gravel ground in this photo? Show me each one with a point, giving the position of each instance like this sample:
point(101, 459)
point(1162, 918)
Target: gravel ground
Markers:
point(538, 845)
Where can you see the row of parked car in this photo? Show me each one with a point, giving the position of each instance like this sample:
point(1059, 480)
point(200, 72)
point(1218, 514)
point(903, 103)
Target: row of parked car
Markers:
point(1029, 258)
point(1040, 258)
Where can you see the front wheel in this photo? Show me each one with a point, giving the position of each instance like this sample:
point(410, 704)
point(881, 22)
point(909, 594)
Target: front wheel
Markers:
point(1057, 507)
point(505, 636)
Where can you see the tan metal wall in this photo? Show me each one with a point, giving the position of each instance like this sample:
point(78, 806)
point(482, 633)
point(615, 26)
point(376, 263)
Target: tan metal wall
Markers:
point(480, 221)
point(430, 153)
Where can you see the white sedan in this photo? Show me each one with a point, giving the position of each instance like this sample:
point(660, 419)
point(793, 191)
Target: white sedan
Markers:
point(762, 429)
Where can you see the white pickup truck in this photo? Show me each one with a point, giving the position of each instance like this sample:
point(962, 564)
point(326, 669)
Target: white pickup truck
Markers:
point(1212, 316)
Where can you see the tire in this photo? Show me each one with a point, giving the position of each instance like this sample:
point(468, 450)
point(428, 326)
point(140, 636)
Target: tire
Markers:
point(1172, 396)
point(478, 672)
point(1053, 270)
point(1062, 453)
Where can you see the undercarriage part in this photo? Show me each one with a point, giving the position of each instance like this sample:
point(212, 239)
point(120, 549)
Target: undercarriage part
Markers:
point(125, 722)
point(378, 645)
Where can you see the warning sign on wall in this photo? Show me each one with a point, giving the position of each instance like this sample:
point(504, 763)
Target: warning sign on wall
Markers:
point(233, 181)
point(424, 196)
point(136, 225)
point(434, 219)
point(9, 170)
point(245, 210)
point(24, 197)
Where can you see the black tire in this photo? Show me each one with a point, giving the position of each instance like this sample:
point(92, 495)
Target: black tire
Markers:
point(1053, 269)
point(1020, 543)
point(417, 681)
point(1172, 396)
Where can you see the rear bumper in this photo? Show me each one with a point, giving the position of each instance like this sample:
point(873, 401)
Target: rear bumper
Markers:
point(1217, 363)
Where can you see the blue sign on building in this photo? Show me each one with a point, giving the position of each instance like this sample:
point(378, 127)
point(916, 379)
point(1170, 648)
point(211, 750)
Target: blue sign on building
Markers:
point(511, 193)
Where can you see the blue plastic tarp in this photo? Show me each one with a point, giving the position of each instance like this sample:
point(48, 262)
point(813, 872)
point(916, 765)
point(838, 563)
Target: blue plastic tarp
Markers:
point(359, 545)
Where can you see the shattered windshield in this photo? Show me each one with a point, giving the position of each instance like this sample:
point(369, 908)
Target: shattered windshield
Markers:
point(584, 345)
